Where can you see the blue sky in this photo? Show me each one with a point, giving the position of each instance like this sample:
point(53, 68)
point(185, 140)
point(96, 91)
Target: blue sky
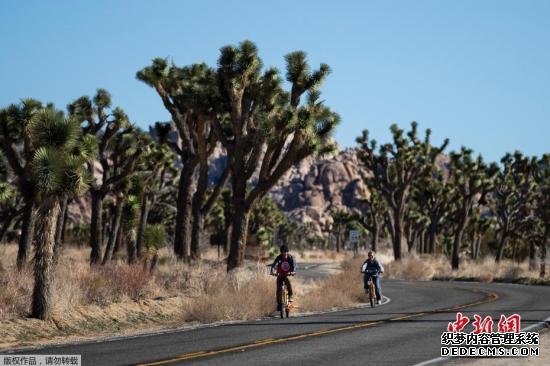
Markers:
point(477, 72)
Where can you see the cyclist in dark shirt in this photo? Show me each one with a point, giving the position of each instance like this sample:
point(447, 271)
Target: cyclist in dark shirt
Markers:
point(373, 263)
point(283, 266)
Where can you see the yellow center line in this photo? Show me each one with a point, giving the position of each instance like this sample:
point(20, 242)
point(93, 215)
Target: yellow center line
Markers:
point(491, 296)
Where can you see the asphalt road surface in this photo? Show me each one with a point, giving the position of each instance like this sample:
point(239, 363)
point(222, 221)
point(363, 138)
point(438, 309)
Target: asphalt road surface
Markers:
point(405, 330)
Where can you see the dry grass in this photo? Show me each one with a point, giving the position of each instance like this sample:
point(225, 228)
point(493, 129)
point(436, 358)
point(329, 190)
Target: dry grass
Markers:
point(414, 267)
point(344, 288)
point(246, 293)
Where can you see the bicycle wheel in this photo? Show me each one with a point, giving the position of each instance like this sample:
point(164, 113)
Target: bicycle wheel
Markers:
point(372, 295)
point(284, 301)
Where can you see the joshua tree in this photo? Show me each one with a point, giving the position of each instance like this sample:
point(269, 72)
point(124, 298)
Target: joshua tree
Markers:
point(479, 222)
point(415, 225)
point(16, 145)
point(160, 167)
point(432, 196)
point(154, 238)
point(11, 203)
point(269, 130)
point(218, 220)
point(125, 150)
point(58, 169)
point(191, 95)
point(471, 180)
point(104, 123)
point(372, 217)
point(340, 219)
point(265, 219)
point(129, 225)
point(513, 198)
point(395, 168)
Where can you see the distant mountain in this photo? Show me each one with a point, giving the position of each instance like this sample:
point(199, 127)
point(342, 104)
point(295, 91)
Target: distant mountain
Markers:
point(307, 192)
point(314, 187)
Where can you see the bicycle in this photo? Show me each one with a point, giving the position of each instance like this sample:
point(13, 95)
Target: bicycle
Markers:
point(372, 272)
point(285, 305)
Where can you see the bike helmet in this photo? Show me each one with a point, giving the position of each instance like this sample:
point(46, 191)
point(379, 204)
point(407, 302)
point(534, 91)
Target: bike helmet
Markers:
point(284, 249)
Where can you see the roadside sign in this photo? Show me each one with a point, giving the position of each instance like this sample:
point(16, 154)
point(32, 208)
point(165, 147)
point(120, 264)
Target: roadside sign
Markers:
point(353, 236)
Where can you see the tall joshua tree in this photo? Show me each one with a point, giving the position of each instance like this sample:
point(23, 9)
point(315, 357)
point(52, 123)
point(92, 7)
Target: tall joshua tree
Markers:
point(340, 219)
point(99, 120)
point(191, 95)
point(269, 129)
point(10, 200)
point(18, 149)
point(479, 222)
point(372, 216)
point(395, 167)
point(432, 195)
point(58, 169)
point(159, 165)
point(126, 148)
point(513, 197)
point(472, 179)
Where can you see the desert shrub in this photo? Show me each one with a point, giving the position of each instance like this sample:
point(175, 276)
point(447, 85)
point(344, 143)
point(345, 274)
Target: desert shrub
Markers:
point(410, 268)
point(243, 294)
point(105, 285)
point(342, 289)
point(15, 293)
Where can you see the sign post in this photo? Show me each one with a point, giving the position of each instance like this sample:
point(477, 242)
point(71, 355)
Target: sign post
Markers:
point(354, 240)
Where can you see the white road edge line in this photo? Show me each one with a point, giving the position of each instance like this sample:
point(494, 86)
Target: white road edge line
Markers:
point(440, 359)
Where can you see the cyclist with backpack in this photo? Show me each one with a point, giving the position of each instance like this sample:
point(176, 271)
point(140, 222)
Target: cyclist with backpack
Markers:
point(371, 263)
point(283, 266)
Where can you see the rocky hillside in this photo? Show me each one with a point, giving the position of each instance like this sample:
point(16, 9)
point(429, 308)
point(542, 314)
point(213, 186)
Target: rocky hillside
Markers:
point(307, 193)
point(310, 190)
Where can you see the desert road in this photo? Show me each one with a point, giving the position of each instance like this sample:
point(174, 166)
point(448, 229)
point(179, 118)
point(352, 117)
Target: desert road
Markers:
point(405, 330)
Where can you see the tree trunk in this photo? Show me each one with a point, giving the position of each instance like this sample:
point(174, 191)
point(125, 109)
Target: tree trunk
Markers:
point(196, 234)
point(154, 262)
point(64, 226)
point(182, 238)
point(120, 237)
point(456, 247)
point(239, 225)
point(131, 249)
point(397, 234)
point(478, 246)
point(501, 245)
point(114, 231)
point(227, 238)
point(144, 215)
point(197, 211)
point(96, 227)
point(59, 229)
point(27, 231)
point(425, 242)
point(473, 245)
point(432, 232)
point(44, 242)
point(532, 255)
point(338, 238)
point(239, 234)
point(375, 234)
